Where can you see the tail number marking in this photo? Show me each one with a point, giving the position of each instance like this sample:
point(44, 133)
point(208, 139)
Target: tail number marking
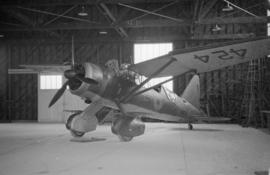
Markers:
point(223, 55)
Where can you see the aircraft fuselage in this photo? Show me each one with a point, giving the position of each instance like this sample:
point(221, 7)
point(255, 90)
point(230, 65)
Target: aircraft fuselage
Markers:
point(112, 87)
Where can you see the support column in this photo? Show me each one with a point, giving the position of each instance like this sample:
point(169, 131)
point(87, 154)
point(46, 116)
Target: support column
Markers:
point(3, 82)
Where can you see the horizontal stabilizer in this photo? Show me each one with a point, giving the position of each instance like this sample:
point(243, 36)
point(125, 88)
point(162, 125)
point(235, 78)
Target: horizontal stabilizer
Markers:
point(206, 58)
point(47, 68)
point(213, 119)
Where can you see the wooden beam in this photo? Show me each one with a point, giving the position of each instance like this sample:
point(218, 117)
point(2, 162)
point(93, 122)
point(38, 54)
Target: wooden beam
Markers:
point(55, 14)
point(140, 24)
point(156, 10)
point(107, 39)
point(235, 20)
point(222, 36)
point(40, 3)
point(19, 16)
point(118, 29)
point(87, 26)
point(210, 4)
point(24, 19)
point(151, 12)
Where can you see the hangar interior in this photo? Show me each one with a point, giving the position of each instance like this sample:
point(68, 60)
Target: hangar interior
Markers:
point(40, 32)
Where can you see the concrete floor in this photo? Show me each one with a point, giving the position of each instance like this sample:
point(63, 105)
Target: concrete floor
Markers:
point(27, 149)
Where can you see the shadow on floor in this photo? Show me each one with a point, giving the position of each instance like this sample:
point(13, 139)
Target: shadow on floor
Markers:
point(92, 139)
point(261, 172)
point(265, 130)
point(197, 129)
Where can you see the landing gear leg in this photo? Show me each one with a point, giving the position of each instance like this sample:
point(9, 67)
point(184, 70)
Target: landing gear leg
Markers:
point(190, 126)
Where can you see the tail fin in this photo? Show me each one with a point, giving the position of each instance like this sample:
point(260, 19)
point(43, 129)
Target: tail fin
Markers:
point(192, 92)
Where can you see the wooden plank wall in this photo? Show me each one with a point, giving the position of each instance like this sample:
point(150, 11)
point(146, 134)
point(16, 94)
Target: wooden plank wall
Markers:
point(3, 83)
point(23, 97)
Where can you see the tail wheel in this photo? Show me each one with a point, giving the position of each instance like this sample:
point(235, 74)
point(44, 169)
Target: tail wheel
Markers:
point(125, 138)
point(190, 126)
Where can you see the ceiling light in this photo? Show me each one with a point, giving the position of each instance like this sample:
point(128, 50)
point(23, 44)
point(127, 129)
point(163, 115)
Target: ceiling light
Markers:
point(83, 12)
point(216, 28)
point(228, 8)
point(2, 36)
point(103, 32)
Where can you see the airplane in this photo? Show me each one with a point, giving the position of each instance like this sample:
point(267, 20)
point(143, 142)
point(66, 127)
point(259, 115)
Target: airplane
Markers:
point(120, 91)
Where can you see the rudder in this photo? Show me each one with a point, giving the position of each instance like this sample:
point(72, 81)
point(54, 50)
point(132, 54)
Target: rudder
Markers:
point(192, 92)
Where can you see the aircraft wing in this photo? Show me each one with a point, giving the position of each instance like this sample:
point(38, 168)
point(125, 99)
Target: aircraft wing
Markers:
point(206, 58)
point(39, 68)
point(47, 68)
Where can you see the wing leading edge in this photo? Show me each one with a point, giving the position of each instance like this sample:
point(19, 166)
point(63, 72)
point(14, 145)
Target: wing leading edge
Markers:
point(207, 58)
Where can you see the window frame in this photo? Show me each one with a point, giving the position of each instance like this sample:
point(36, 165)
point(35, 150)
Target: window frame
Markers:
point(168, 85)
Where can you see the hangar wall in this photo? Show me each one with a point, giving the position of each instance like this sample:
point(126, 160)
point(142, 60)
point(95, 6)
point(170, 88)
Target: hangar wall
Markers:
point(220, 95)
point(36, 48)
point(3, 82)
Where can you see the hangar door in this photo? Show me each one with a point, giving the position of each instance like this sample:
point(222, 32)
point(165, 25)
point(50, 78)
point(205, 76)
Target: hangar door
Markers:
point(48, 85)
point(22, 97)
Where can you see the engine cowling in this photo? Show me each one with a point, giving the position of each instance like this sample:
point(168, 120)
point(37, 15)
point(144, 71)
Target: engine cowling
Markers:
point(127, 127)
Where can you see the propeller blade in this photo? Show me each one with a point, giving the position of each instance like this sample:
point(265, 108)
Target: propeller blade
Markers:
point(87, 80)
point(58, 94)
point(72, 53)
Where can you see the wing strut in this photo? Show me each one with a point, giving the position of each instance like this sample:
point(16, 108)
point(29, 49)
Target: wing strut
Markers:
point(152, 87)
point(125, 98)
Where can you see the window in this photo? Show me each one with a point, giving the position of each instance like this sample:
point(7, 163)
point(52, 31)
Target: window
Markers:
point(143, 52)
point(50, 81)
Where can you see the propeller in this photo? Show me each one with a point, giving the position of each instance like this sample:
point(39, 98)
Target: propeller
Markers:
point(58, 94)
point(75, 73)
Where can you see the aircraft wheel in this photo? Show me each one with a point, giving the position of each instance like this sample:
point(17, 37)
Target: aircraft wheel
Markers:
point(190, 126)
point(69, 120)
point(76, 133)
point(125, 138)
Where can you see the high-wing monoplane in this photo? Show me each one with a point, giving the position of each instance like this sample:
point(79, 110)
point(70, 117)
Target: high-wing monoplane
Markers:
point(120, 91)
